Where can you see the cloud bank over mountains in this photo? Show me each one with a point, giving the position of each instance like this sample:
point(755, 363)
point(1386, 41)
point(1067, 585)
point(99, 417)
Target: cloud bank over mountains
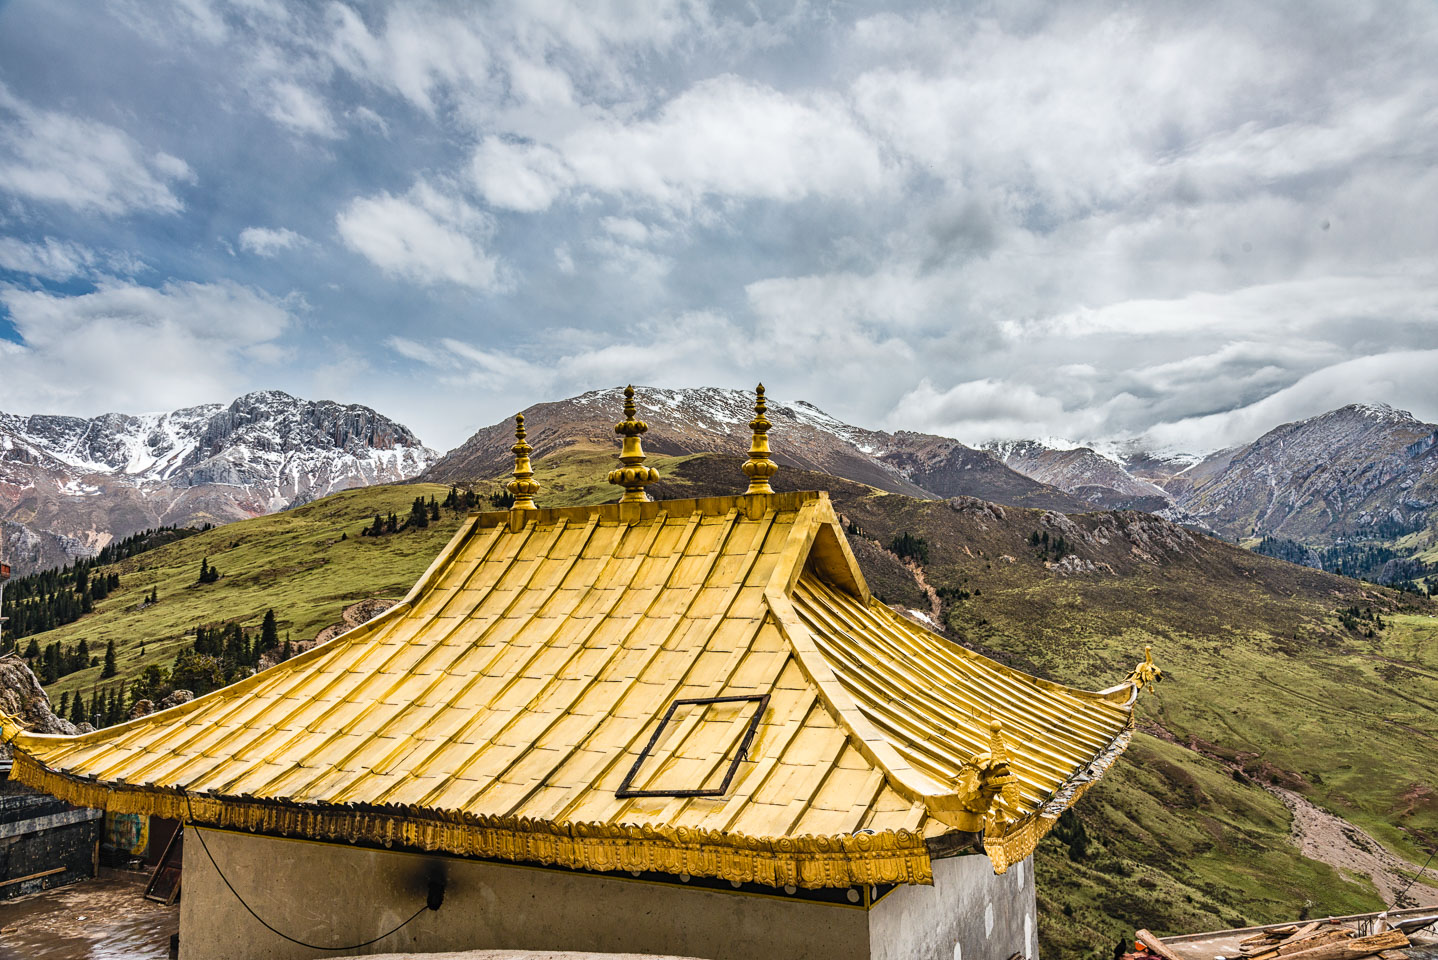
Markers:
point(987, 221)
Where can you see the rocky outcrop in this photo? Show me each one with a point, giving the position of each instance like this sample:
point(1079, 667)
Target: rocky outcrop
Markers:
point(22, 697)
point(176, 698)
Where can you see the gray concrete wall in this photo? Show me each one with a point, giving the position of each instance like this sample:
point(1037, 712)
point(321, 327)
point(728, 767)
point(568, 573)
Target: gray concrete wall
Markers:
point(968, 914)
point(335, 895)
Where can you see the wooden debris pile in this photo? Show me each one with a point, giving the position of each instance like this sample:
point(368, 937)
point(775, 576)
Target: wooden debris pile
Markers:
point(1313, 942)
point(1319, 940)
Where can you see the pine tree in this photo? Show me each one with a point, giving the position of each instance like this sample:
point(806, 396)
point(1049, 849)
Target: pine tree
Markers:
point(110, 667)
point(205, 570)
point(77, 708)
point(64, 704)
point(433, 509)
point(269, 632)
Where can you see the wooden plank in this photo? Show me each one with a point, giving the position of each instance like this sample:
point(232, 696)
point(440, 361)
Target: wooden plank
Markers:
point(1355, 948)
point(33, 876)
point(1155, 945)
point(1302, 934)
point(1317, 940)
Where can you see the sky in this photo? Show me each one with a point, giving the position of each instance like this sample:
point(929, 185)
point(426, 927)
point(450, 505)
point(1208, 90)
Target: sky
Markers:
point(1181, 223)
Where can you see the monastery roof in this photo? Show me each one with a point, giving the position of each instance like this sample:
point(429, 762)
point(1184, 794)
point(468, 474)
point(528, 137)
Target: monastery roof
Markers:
point(528, 701)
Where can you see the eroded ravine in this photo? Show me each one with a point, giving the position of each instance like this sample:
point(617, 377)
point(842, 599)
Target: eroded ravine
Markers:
point(1330, 839)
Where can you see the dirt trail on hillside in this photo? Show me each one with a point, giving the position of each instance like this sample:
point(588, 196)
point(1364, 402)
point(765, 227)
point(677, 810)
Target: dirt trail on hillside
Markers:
point(1330, 839)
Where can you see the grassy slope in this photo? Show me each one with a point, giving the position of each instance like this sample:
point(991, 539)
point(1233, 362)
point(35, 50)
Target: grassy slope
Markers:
point(1260, 672)
point(293, 562)
point(1178, 846)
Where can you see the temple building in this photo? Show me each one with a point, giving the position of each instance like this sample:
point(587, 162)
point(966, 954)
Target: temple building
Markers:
point(678, 727)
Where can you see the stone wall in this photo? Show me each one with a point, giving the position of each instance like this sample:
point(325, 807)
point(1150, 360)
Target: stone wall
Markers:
point(43, 839)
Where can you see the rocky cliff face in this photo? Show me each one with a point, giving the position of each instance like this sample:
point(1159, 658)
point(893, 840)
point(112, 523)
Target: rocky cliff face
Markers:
point(803, 436)
point(73, 484)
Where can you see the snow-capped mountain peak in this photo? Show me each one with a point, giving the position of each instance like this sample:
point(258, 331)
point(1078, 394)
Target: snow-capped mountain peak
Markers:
point(111, 475)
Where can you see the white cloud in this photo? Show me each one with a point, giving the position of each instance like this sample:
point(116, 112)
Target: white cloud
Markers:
point(138, 348)
point(58, 158)
point(978, 410)
point(301, 110)
point(418, 53)
point(51, 259)
point(427, 237)
point(1287, 308)
point(731, 137)
point(267, 241)
point(519, 176)
point(1403, 379)
point(626, 229)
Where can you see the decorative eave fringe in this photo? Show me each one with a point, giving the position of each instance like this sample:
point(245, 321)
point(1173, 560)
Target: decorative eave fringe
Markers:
point(1018, 841)
point(808, 861)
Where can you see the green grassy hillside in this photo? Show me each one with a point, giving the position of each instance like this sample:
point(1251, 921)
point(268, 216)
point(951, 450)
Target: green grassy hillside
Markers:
point(306, 564)
point(1264, 675)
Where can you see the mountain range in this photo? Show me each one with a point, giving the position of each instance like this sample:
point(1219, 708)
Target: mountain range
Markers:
point(1360, 472)
point(68, 485)
point(1363, 477)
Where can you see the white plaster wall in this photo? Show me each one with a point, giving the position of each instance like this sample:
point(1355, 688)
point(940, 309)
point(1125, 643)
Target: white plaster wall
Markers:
point(335, 895)
point(968, 914)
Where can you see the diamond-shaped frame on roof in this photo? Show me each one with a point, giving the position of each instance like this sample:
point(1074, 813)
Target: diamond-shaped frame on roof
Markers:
point(626, 791)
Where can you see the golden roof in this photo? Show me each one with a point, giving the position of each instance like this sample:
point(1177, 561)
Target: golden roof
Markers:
point(499, 710)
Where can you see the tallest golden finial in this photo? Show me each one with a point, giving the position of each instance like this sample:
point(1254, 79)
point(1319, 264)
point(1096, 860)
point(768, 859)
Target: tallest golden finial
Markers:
point(632, 475)
point(523, 486)
point(759, 468)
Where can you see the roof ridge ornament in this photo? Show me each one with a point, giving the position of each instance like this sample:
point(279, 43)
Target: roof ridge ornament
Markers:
point(759, 468)
point(1146, 674)
point(986, 788)
point(523, 486)
point(632, 474)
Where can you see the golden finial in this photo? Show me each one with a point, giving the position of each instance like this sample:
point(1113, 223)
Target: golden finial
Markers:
point(633, 475)
point(759, 468)
point(523, 486)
